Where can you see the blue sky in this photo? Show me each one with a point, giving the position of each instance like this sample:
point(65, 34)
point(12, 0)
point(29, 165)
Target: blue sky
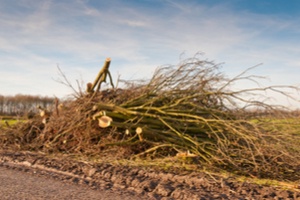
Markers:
point(139, 36)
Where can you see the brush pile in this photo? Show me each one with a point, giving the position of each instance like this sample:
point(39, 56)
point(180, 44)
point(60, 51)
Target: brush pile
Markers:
point(188, 110)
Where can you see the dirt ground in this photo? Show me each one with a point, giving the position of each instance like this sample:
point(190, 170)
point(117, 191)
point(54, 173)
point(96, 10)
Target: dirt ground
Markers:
point(30, 185)
point(148, 182)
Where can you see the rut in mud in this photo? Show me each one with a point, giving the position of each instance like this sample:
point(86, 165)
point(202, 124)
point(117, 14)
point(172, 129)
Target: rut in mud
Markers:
point(152, 183)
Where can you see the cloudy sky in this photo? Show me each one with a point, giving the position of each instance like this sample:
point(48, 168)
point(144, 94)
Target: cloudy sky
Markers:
point(36, 36)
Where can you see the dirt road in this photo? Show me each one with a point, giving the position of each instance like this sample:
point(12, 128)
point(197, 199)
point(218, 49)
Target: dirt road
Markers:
point(25, 175)
point(16, 184)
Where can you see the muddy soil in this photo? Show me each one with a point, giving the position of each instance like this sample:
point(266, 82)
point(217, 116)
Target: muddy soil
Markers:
point(27, 185)
point(148, 182)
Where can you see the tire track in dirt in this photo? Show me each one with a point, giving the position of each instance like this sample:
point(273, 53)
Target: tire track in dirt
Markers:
point(140, 181)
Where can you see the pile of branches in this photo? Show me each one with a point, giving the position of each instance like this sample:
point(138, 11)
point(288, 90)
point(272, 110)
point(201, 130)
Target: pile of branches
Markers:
point(187, 110)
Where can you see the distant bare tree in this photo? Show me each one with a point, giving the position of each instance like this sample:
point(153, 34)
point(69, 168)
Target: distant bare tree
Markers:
point(20, 105)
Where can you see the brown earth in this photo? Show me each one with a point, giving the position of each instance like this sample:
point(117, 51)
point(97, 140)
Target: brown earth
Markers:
point(29, 185)
point(140, 181)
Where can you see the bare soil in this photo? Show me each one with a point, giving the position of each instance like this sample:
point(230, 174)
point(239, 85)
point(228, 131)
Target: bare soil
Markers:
point(141, 181)
point(30, 185)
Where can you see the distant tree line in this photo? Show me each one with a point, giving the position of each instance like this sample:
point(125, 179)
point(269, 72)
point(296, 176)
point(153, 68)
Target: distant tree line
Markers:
point(21, 105)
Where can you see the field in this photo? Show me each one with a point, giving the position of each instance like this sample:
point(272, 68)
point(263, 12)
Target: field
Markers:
point(9, 121)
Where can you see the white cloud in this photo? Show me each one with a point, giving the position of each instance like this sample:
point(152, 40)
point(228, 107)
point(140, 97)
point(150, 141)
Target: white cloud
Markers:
point(79, 37)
